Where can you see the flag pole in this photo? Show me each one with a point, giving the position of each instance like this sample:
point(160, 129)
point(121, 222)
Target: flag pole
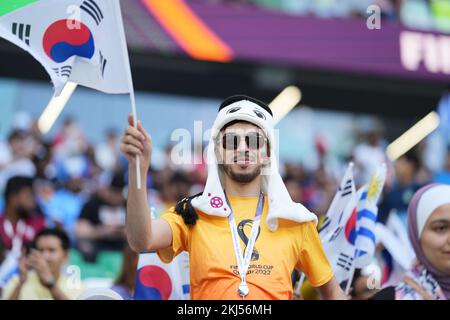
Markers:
point(130, 82)
point(138, 160)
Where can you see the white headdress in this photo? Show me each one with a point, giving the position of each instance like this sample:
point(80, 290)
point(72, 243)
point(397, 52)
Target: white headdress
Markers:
point(212, 201)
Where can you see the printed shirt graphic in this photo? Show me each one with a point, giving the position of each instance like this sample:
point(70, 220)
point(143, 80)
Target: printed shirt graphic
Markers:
point(214, 273)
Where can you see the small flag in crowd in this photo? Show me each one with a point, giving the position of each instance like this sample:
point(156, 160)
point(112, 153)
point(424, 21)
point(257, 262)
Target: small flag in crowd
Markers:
point(352, 242)
point(156, 280)
point(80, 41)
point(365, 241)
point(335, 212)
point(340, 245)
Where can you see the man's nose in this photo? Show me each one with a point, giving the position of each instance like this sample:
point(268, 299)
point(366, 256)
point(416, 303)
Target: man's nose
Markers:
point(242, 146)
point(46, 255)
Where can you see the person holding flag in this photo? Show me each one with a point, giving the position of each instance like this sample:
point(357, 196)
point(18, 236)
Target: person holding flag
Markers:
point(243, 233)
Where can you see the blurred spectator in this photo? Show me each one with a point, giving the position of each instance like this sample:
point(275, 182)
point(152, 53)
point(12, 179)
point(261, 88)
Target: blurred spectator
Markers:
point(325, 188)
point(2, 253)
point(41, 276)
point(294, 188)
point(95, 176)
point(175, 188)
point(101, 225)
point(21, 220)
point(70, 140)
point(443, 176)
point(398, 197)
point(126, 281)
point(61, 206)
point(21, 148)
point(368, 154)
point(107, 152)
point(5, 154)
point(42, 160)
point(21, 121)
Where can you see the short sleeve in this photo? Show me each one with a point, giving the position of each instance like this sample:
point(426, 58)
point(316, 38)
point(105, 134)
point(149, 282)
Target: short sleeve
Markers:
point(180, 236)
point(312, 259)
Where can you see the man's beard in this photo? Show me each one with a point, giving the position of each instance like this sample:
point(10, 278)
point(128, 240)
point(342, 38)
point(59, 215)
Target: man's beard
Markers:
point(241, 177)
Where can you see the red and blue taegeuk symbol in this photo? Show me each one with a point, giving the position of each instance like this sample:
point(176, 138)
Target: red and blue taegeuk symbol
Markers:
point(153, 283)
point(62, 41)
point(350, 228)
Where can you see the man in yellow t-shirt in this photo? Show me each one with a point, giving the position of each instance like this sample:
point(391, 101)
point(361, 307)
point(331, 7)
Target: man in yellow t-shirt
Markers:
point(244, 234)
point(40, 276)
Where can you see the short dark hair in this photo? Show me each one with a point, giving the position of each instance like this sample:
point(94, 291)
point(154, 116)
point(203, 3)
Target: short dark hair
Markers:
point(290, 178)
point(17, 134)
point(412, 157)
point(118, 181)
point(17, 184)
point(179, 177)
point(55, 232)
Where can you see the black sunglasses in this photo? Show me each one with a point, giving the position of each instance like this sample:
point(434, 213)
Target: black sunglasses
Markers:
point(253, 140)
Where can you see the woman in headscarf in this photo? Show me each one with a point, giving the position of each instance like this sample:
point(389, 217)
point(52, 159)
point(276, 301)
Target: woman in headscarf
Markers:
point(429, 233)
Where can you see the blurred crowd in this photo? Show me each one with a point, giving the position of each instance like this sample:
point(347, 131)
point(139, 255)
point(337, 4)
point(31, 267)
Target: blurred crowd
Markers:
point(74, 191)
point(417, 14)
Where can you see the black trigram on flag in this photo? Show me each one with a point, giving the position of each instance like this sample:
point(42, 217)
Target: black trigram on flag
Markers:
point(22, 31)
point(347, 188)
point(336, 234)
point(345, 261)
point(103, 62)
point(64, 71)
point(92, 9)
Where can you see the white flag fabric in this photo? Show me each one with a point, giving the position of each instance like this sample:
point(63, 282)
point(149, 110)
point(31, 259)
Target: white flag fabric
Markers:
point(342, 197)
point(394, 246)
point(398, 255)
point(81, 41)
point(395, 224)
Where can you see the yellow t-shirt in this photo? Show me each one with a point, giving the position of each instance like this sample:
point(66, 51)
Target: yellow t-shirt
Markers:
point(32, 289)
point(213, 267)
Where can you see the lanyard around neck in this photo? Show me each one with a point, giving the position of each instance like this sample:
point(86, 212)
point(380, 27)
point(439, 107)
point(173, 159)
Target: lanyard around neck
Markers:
point(243, 261)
